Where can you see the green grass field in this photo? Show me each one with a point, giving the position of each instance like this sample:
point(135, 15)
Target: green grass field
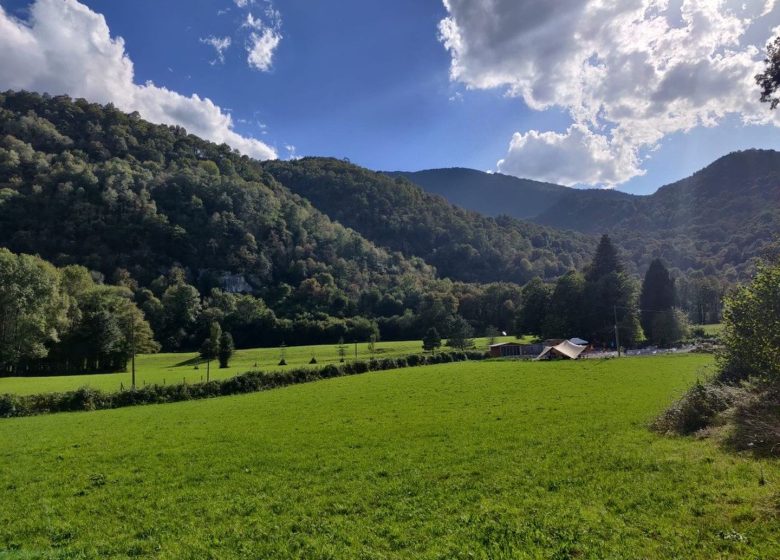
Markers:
point(713, 329)
point(177, 367)
point(469, 460)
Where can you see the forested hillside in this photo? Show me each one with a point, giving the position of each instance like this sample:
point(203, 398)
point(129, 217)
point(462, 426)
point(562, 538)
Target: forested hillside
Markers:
point(462, 245)
point(716, 222)
point(492, 194)
point(182, 223)
point(719, 219)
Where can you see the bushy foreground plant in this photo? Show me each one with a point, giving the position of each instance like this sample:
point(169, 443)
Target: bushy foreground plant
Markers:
point(746, 393)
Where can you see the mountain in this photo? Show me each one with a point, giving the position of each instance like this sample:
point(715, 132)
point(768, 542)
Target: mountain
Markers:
point(86, 184)
point(492, 194)
point(462, 245)
point(719, 220)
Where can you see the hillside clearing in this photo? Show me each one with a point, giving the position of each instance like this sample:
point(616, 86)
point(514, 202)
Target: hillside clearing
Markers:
point(489, 459)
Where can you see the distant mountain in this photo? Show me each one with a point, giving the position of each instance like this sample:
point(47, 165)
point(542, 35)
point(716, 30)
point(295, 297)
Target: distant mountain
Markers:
point(462, 245)
point(492, 194)
point(718, 220)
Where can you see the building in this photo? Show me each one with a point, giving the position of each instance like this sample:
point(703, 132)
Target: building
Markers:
point(566, 350)
point(514, 350)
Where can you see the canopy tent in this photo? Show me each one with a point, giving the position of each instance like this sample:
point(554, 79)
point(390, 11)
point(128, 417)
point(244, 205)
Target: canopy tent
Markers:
point(565, 350)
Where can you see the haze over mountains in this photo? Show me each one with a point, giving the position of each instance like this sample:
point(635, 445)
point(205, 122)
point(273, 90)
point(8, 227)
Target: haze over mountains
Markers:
point(723, 216)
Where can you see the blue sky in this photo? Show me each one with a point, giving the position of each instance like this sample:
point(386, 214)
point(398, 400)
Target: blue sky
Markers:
point(372, 81)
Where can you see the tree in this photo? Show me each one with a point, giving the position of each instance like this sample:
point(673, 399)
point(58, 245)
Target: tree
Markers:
point(181, 307)
point(668, 327)
point(658, 295)
point(536, 301)
point(32, 308)
point(610, 296)
point(492, 334)
point(769, 79)
point(605, 261)
point(566, 313)
point(461, 334)
point(750, 335)
point(226, 348)
point(431, 341)
point(341, 349)
point(372, 343)
point(209, 350)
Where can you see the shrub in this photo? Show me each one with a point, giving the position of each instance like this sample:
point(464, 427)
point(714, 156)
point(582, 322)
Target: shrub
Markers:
point(698, 408)
point(756, 421)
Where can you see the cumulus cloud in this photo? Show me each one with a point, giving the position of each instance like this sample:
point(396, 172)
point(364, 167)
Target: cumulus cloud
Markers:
point(220, 44)
point(264, 38)
point(66, 48)
point(628, 73)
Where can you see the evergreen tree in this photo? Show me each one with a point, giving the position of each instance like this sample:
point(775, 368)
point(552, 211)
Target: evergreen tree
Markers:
point(461, 334)
point(431, 341)
point(605, 261)
point(658, 295)
point(226, 348)
point(610, 296)
point(658, 292)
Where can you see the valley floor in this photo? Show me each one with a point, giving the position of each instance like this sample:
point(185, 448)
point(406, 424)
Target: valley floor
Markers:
point(467, 460)
point(176, 367)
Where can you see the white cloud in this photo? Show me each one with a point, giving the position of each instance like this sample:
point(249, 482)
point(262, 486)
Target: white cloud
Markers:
point(263, 39)
point(67, 48)
point(220, 44)
point(628, 73)
point(575, 156)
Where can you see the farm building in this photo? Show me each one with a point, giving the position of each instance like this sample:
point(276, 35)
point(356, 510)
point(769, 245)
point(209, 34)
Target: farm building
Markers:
point(566, 350)
point(514, 350)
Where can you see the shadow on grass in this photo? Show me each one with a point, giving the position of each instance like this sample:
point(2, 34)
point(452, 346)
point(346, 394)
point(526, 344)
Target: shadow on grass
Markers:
point(191, 362)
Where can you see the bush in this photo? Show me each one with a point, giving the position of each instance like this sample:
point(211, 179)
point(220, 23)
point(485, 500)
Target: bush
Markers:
point(697, 409)
point(756, 421)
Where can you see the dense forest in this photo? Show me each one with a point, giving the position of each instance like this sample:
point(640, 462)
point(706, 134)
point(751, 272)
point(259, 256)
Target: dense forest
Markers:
point(462, 245)
point(182, 223)
point(716, 222)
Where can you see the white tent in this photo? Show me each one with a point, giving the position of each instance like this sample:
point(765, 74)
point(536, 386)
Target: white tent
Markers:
point(565, 349)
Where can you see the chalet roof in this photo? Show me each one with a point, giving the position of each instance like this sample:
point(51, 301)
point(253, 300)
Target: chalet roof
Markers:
point(565, 349)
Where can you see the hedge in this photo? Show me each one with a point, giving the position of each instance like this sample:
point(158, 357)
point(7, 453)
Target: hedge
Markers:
point(85, 399)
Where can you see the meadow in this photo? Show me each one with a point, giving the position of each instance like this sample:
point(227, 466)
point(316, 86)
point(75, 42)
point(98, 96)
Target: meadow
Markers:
point(173, 368)
point(487, 459)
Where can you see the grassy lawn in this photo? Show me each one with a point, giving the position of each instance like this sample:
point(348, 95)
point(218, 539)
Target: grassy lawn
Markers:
point(712, 330)
point(176, 367)
point(469, 460)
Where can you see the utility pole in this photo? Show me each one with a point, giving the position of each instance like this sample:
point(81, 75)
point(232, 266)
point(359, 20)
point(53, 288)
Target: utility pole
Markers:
point(617, 331)
point(132, 350)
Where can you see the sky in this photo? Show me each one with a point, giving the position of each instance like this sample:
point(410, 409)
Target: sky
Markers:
point(628, 94)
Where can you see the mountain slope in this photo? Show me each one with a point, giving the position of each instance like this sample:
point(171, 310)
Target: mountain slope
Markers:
point(87, 184)
point(492, 194)
point(718, 220)
point(722, 217)
point(462, 245)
